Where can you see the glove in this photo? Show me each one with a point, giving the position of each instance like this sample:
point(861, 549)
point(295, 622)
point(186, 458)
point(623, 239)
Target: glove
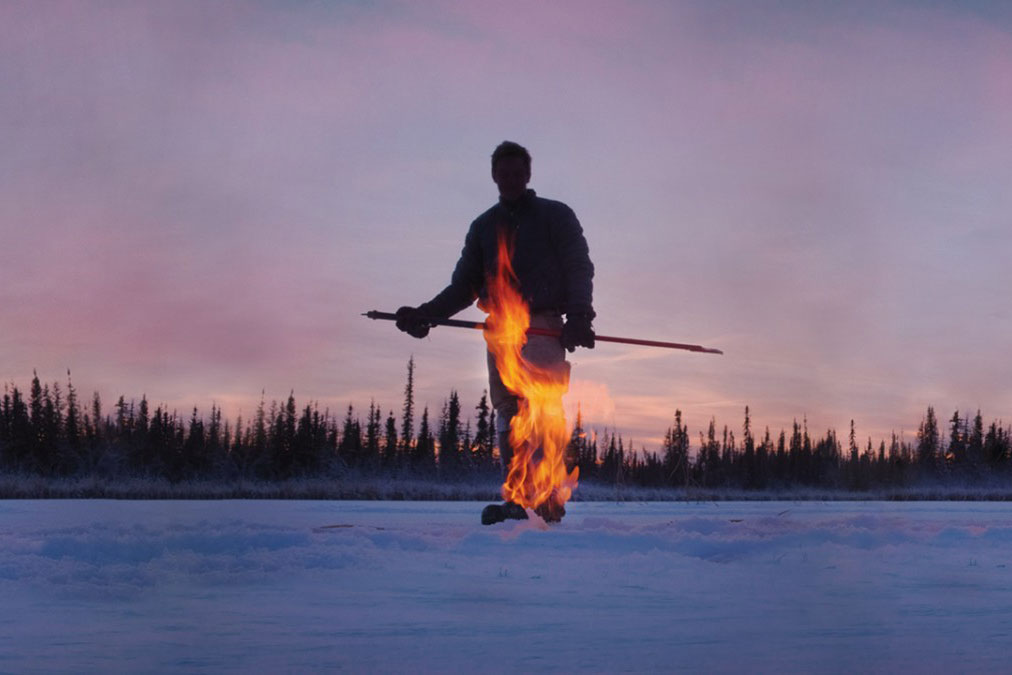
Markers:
point(577, 332)
point(413, 321)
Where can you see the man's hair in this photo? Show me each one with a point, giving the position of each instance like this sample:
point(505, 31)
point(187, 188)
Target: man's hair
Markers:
point(511, 149)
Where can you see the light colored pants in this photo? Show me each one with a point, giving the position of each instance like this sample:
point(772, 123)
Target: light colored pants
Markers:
point(542, 350)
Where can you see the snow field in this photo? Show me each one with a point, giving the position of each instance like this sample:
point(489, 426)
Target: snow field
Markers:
point(303, 586)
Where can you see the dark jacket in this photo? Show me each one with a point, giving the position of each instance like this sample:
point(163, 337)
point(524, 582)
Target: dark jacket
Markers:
point(550, 258)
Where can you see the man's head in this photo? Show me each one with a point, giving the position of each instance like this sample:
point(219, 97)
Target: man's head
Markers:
point(511, 169)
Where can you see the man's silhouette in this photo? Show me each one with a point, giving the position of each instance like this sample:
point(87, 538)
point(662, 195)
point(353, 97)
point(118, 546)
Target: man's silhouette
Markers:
point(553, 269)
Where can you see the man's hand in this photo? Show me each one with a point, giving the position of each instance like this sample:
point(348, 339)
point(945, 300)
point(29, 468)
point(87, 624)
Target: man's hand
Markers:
point(412, 321)
point(577, 332)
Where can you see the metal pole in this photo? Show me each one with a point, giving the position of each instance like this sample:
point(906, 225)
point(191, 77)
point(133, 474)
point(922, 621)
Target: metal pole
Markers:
point(479, 325)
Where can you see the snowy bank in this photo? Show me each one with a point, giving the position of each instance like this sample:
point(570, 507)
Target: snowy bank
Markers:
point(310, 586)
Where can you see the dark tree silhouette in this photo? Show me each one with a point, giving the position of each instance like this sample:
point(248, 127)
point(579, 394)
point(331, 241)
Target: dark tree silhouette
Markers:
point(408, 411)
point(450, 464)
point(928, 443)
point(47, 433)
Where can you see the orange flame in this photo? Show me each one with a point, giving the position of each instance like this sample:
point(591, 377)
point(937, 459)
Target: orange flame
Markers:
point(539, 435)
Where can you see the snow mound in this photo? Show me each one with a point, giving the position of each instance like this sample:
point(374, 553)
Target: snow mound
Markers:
point(230, 586)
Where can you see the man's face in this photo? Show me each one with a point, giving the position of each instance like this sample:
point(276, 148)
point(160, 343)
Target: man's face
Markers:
point(511, 175)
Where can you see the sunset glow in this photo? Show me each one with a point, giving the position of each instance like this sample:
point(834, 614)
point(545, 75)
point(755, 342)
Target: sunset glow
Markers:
point(200, 199)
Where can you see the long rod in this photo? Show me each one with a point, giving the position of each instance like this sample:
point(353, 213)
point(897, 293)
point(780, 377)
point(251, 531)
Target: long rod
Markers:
point(480, 325)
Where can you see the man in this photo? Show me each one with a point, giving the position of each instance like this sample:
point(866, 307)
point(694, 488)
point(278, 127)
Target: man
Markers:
point(552, 266)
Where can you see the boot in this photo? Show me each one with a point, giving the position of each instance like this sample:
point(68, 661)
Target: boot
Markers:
point(551, 511)
point(497, 513)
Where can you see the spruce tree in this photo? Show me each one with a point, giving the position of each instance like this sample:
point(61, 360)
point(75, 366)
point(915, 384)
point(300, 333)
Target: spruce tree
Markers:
point(750, 473)
point(676, 453)
point(408, 411)
point(193, 448)
point(73, 425)
point(575, 450)
point(349, 450)
point(5, 427)
point(371, 451)
point(996, 445)
point(763, 458)
point(484, 436)
point(35, 406)
point(307, 445)
point(780, 473)
point(449, 438)
point(424, 457)
point(975, 443)
point(927, 442)
point(853, 465)
point(711, 471)
point(20, 438)
point(390, 460)
point(957, 442)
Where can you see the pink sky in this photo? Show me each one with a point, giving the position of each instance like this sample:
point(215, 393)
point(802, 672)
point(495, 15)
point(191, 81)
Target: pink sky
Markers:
point(198, 200)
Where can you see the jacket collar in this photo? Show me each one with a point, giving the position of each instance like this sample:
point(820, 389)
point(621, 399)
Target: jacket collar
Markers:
point(522, 202)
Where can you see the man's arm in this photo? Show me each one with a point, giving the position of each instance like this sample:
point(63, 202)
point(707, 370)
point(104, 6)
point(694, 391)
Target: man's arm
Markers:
point(578, 276)
point(465, 283)
point(577, 269)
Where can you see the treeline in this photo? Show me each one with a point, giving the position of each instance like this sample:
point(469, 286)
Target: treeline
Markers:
point(50, 433)
point(964, 453)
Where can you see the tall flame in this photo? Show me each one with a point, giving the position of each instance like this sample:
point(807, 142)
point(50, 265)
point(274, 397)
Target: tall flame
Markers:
point(537, 476)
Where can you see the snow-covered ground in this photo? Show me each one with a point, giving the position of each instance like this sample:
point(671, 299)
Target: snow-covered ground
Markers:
point(283, 586)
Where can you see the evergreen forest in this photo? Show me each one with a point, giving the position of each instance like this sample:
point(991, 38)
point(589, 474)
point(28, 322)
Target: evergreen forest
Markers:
point(49, 432)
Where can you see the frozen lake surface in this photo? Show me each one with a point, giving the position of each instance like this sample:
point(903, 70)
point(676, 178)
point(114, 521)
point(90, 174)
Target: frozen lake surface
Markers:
point(300, 586)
